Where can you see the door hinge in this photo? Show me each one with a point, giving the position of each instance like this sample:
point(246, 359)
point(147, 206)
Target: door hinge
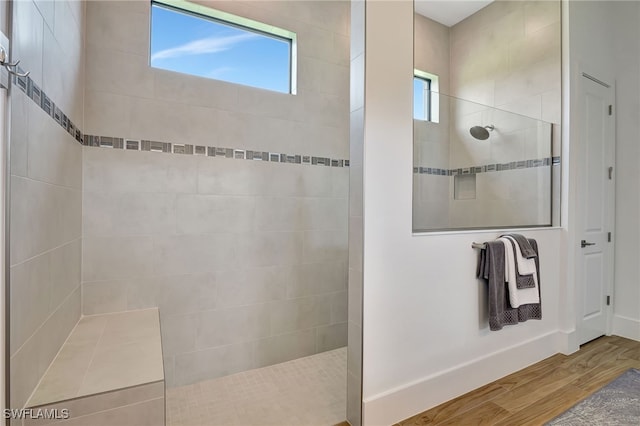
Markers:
point(610, 109)
point(610, 172)
point(608, 237)
point(608, 300)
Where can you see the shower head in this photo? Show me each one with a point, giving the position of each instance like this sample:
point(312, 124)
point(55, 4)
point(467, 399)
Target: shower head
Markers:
point(481, 133)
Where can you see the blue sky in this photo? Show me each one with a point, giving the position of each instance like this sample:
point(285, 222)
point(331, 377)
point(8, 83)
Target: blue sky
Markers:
point(192, 45)
point(418, 98)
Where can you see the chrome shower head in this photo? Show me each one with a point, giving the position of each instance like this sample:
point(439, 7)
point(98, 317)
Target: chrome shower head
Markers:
point(481, 133)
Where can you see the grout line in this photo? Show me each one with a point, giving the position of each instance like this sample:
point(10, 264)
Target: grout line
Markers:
point(59, 349)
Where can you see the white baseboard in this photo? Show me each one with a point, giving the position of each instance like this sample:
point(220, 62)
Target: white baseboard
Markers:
point(626, 327)
point(405, 401)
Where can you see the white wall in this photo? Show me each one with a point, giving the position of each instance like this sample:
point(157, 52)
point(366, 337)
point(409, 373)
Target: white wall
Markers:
point(426, 337)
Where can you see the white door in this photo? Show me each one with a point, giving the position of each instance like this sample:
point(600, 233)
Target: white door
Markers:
point(596, 190)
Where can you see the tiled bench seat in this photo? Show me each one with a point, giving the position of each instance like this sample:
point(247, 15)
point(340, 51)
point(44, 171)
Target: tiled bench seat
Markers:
point(108, 372)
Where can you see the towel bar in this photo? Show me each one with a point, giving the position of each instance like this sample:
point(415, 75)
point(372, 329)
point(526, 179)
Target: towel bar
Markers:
point(480, 246)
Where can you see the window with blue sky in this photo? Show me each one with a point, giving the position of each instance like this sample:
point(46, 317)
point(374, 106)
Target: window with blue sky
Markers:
point(217, 45)
point(421, 98)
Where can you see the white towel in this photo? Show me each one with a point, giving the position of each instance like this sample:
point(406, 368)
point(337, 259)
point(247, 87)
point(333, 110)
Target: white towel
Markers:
point(525, 266)
point(517, 296)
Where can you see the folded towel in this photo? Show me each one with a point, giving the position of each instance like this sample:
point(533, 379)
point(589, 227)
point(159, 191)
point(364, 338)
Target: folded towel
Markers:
point(525, 247)
point(491, 268)
point(517, 296)
point(525, 266)
point(523, 281)
point(534, 310)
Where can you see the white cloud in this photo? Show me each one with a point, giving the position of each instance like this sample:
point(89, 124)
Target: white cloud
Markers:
point(202, 46)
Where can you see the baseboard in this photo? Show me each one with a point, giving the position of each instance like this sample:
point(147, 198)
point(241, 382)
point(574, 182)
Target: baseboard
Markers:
point(626, 327)
point(400, 403)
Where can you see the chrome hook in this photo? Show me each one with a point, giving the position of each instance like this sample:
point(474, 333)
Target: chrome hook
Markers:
point(10, 67)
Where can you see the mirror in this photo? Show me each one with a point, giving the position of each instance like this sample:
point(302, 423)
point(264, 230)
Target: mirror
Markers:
point(487, 114)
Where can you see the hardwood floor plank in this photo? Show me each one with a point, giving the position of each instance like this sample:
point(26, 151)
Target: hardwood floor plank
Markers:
point(456, 406)
point(539, 392)
point(599, 376)
point(486, 413)
point(522, 396)
point(532, 372)
point(546, 408)
point(592, 356)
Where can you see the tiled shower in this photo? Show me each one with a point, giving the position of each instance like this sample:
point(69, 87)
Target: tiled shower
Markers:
point(225, 206)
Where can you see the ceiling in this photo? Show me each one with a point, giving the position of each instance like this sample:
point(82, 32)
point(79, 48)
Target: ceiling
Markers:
point(449, 12)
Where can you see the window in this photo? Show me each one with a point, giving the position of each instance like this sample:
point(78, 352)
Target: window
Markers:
point(197, 40)
point(426, 102)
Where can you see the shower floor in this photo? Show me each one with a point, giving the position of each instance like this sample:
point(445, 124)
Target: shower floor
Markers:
point(307, 391)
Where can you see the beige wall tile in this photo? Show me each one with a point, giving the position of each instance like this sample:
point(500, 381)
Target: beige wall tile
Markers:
point(19, 133)
point(241, 324)
point(59, 160)
point(331, 337)
point(44, 216)
point(125, 29)
point(120, 214)
point(284, 347)
point(107, 258)
point(28, 39)
point(205, 364)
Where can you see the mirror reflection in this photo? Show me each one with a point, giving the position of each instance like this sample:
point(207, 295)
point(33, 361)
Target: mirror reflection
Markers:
point(487, 112)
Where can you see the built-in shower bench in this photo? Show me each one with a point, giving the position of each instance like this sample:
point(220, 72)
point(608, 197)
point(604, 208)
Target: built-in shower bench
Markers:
point(108, 372)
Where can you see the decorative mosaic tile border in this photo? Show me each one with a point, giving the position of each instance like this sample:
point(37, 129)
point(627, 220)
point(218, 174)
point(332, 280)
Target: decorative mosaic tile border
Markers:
point(210, 151)
point(498, 167)
point(35, 93)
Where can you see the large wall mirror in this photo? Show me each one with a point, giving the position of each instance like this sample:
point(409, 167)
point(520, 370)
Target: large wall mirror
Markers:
point(487, 114)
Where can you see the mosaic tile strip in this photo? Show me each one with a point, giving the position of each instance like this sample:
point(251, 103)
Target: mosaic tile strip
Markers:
point(498, 167)
point(211, 151)
point(35, 93)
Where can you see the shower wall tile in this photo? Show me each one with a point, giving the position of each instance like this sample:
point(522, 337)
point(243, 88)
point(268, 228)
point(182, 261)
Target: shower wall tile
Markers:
point(269, 248)
point(116, 171)
point(44, 216)
point(29, 38)
point(46, 190)
point(217, 243)
point(189, 90)
point(178, 334)
point(103, 297)
point(299, 314)
point(195, 213)
point(186, 294)
point(32, 359)
point(325, 246)
point(108, 258)
point(242, 286)
point(189, 254)
point(284, 347)
point(59, 160)
point(122, 29)
point(192, 367)
point(118, 72)
point(317, 278)
point(241, 324)
point(19, 132)
point(120, 214)
point(331, 337)
point(108, 113)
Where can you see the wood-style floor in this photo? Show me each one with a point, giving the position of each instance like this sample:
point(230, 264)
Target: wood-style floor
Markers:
point(540, 392)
